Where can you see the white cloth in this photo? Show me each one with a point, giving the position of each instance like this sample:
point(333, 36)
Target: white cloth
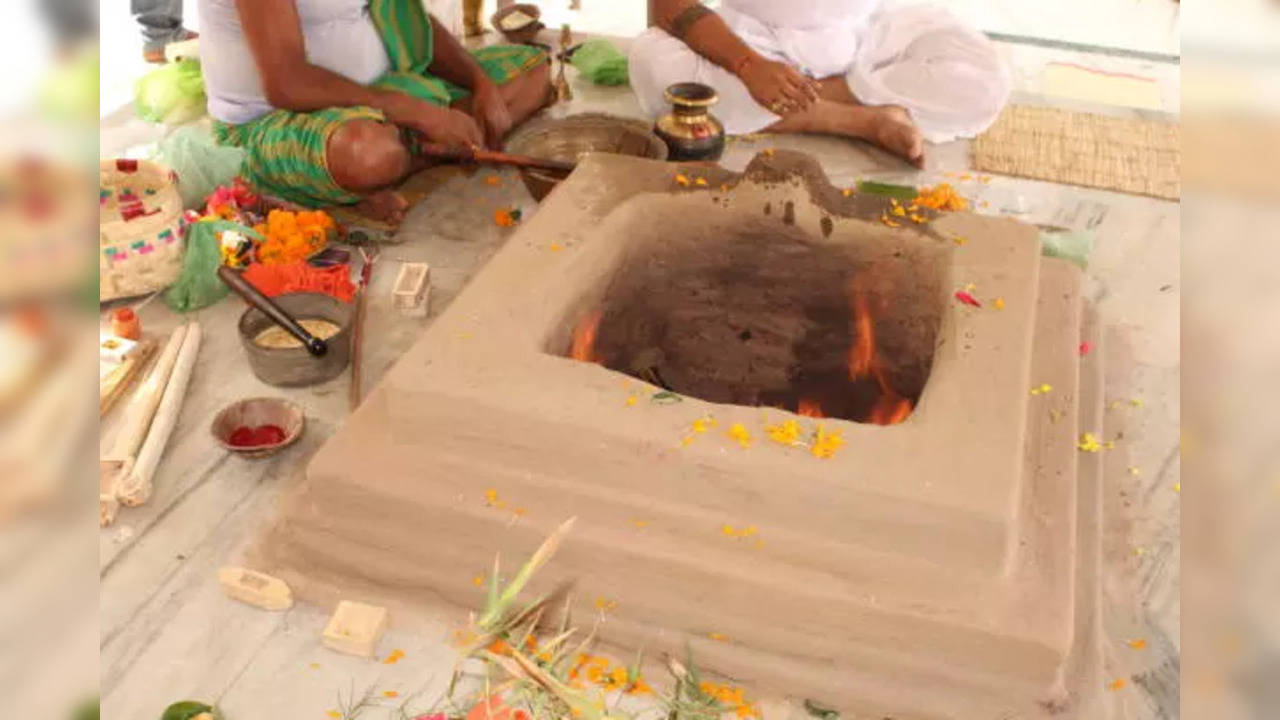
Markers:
point(339, 36)
point(948, 76)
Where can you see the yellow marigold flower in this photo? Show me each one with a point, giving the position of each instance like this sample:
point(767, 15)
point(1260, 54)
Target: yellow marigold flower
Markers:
point(682, 180)
point(786, 433)
point(739, 433)
point(1088, 443)
point(700, 182)
point(825, 444)
point(998, 303)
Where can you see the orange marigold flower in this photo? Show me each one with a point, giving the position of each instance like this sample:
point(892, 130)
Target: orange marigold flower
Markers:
point(504, 218)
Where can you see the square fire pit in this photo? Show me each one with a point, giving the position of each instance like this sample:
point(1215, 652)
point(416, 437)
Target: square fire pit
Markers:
point(774, 422)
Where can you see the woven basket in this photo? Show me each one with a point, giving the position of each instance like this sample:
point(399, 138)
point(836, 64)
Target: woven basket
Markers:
point(142, 226)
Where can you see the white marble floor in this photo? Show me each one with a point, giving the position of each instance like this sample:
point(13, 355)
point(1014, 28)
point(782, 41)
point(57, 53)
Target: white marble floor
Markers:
point(168, 633)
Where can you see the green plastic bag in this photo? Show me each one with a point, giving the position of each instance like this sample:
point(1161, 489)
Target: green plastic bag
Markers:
point(199, 285)
point(171, 94)
point(202, 165)
point(601, 62)
point(1072, 245)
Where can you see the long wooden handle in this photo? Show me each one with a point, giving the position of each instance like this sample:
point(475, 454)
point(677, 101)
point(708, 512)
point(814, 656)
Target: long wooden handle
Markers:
point(136, 488)
point(492, 157)
point(137, 418)
point(314, 345)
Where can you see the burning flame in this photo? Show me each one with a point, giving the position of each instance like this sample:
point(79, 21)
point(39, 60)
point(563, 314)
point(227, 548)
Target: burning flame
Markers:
point(890, 408)
point(810, 407)
point(584, 338)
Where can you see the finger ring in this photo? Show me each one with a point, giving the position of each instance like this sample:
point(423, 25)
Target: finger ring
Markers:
point(778, 107)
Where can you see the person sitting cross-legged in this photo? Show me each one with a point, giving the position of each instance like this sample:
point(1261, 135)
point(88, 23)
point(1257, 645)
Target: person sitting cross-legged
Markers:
point(331, 99)
point(896, 76)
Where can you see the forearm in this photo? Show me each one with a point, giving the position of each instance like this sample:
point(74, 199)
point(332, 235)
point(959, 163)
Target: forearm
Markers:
point(306, 88)
point(451, 61)
point(706, 32)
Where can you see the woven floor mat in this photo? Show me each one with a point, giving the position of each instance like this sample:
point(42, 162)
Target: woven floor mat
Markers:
point(1126, 154)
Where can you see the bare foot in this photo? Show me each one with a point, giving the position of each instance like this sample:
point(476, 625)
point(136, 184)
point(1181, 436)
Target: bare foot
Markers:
point(893, 130)
point(387, 206)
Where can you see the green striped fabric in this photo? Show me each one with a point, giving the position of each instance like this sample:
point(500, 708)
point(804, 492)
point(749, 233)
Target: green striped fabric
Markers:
point(286, 151)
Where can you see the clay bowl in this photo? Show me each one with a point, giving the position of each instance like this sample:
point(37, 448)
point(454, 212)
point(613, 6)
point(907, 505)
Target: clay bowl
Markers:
point(572, 137)
point(524, 34)
point(252, 413)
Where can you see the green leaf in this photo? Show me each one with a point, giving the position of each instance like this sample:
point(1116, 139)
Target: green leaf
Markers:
point(901, 192)
point(814, 708)
point(666, 397)
point(185, 710)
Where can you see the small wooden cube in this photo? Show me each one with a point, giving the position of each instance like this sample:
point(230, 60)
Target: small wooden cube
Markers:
point(255, 588)
point(412, 292)
point(355, 628)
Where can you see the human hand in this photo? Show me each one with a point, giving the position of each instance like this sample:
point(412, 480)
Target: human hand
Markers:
point(777, 86)
point(490, 112)
point(442, 125)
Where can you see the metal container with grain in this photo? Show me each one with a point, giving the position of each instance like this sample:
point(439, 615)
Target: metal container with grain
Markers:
point(294, 366)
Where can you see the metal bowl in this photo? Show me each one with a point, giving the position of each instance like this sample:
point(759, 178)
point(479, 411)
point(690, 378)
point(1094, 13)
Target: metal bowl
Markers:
point(571, 137)
point(295, 367)
point(524, 34)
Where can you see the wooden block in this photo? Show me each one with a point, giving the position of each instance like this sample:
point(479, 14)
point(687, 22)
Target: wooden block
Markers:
point(117, 382)
point(412, 292)
point(255, 588)
point(355, 628)
point(115, 349)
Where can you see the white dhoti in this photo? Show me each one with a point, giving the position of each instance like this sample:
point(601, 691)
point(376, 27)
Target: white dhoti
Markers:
point(948, 76)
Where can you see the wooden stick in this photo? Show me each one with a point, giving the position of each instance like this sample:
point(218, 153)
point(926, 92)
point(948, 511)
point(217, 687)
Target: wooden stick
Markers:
point(492, 157)
point(357, 327)
point(142, 408)
point(136, 488)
